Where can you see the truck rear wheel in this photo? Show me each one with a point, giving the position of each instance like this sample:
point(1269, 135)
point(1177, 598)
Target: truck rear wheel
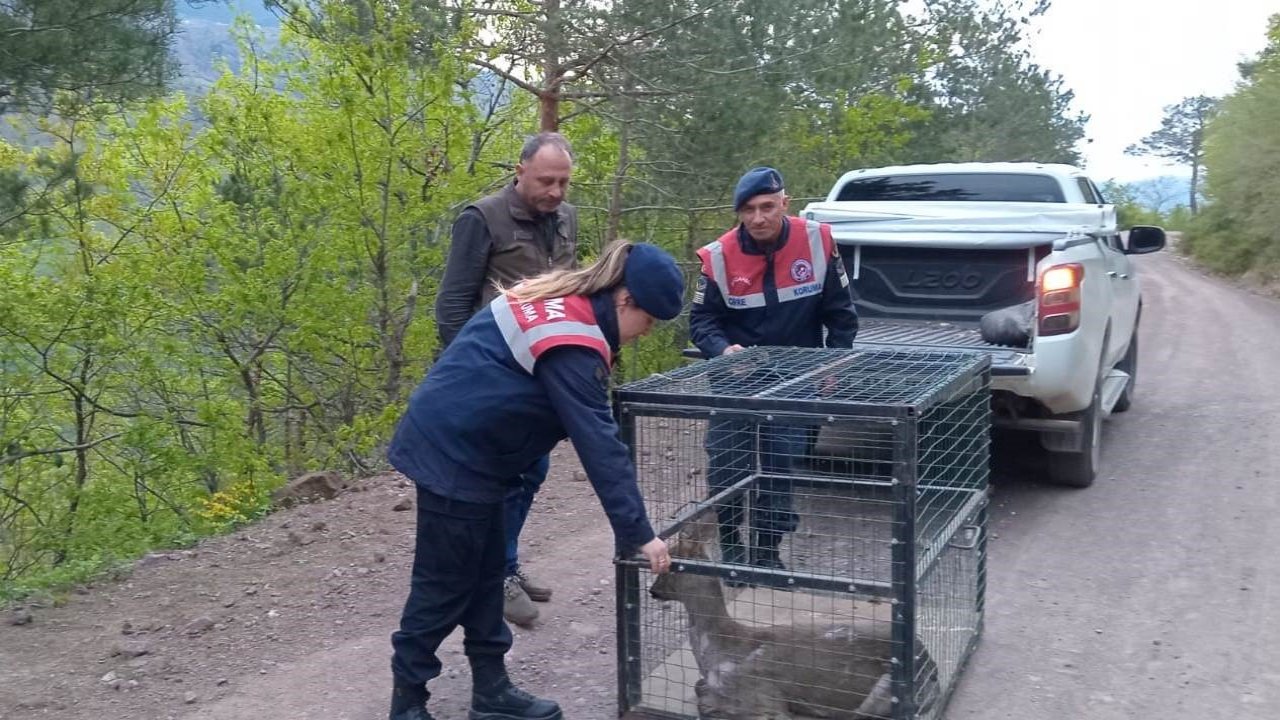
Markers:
point(1079, 468)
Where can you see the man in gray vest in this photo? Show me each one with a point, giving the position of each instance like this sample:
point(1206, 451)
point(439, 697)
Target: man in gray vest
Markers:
point(523, 230)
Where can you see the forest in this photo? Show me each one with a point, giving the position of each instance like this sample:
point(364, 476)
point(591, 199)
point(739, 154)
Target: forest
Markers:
point(204, 293)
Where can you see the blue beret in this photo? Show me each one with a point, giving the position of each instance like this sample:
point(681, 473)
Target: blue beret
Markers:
point(654, 280)
point(756, 181)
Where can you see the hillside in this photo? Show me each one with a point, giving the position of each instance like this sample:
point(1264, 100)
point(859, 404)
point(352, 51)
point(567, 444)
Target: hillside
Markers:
point(224, 11)
point(293, 616)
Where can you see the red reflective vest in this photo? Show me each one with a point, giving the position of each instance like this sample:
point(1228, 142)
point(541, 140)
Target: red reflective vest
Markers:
point(531, 328)
point(799, 266)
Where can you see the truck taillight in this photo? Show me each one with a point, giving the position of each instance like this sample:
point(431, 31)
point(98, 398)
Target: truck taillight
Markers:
point(1059, 311)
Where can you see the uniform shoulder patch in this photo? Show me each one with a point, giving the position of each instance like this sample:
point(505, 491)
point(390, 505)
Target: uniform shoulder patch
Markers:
point(700, 294)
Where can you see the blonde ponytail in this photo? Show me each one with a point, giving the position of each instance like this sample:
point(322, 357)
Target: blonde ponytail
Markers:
point(603, 274)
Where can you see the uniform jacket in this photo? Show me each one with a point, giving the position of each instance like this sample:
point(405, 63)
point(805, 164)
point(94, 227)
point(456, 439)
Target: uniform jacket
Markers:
point(782, 295)
point(519, 378)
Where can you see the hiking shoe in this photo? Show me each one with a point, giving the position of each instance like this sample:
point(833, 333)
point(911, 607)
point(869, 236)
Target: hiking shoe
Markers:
point(537, 592)
point(508, 702)
point(516, 606)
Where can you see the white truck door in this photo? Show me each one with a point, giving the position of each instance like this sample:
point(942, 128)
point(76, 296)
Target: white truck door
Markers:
point(1124, 294)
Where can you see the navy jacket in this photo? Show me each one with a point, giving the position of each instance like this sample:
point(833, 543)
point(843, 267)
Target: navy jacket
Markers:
point(481, 417)
point(760, 317)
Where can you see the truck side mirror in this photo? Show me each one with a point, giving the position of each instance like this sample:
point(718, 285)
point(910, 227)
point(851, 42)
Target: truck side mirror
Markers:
point(1144, 239)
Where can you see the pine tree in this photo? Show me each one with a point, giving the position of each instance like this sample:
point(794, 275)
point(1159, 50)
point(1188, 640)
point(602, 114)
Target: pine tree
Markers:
point(1181, 137)
point(102, 50)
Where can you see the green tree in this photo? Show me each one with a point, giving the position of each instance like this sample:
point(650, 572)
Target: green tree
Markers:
point(988, 100)
point(85, 430)
point(1181, 138)
point(1130, 208)
point(109, 50)
point(1242, 165)
point(751, 82)
point(188, 314)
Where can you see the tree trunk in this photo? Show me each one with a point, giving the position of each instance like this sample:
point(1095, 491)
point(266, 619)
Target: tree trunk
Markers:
point(691, 237)
point(552, 72)
point(619, 177)
point(1195, 185)
point(84, 419)
point(549, 115)
point(292, 448)
point(254, 420)
point(1197, 157)
point(393, 345)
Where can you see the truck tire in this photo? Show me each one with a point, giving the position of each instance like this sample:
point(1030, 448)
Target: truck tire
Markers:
point(1129, 364)
point(1078, 469)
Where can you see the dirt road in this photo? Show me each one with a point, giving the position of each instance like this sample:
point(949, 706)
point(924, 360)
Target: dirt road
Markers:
point(1151, 595)
point(1155, 593)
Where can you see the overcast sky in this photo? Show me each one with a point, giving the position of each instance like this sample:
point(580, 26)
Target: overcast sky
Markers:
point(1127, 59)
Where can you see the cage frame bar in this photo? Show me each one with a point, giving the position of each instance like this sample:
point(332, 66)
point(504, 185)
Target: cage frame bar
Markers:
point(761, 402)
point(903, 564)
point(627, 576)
point(947, 509)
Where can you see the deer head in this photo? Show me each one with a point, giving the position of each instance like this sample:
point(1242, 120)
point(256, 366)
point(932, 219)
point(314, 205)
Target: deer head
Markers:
point(752, 672)
point(692, 542)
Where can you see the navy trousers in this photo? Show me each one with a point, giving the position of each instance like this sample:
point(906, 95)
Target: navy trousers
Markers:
point(732, 454)
point(457, 577)
point(517, 505)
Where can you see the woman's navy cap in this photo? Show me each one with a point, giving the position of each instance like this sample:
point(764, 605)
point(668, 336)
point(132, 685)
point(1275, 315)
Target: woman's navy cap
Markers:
point(756, 181)
point(654, 281)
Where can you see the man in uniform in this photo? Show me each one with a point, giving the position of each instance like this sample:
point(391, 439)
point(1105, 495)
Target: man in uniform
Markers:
point(773, 279)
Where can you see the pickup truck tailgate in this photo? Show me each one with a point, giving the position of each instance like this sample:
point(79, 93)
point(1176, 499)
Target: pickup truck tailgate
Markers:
point(933, 334)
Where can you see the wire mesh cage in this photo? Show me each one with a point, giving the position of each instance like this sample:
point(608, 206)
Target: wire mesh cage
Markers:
point(826, 511)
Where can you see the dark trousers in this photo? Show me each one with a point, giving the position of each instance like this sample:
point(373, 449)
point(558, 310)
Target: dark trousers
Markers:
point(732, 455)
point(457, 580)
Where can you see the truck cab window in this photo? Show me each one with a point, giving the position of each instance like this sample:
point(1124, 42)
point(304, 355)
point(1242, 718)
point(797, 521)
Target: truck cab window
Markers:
point(1086, 189)
point(956, 187)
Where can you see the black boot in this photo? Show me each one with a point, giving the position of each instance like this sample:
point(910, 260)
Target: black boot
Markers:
point(494, 697)
point(508, 702)
point(409, 702)
point(764, 551)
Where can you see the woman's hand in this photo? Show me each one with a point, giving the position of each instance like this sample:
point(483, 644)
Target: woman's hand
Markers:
point(655, 551)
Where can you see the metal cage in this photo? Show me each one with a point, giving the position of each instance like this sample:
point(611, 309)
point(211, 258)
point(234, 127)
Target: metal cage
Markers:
point(827, 509)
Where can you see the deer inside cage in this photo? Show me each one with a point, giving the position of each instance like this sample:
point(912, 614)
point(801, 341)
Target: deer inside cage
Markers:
point(826, 513)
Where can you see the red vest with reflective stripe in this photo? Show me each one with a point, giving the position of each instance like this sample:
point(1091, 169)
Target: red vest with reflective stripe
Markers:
point(533, 327)
point(799, 266)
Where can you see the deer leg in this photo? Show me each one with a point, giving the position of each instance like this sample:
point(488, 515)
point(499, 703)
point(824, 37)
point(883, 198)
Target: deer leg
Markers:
point(744, 699)
point(716, 700)
point(929, 695)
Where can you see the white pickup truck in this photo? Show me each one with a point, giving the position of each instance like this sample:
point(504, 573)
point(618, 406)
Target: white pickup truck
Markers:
point(1020, 260)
